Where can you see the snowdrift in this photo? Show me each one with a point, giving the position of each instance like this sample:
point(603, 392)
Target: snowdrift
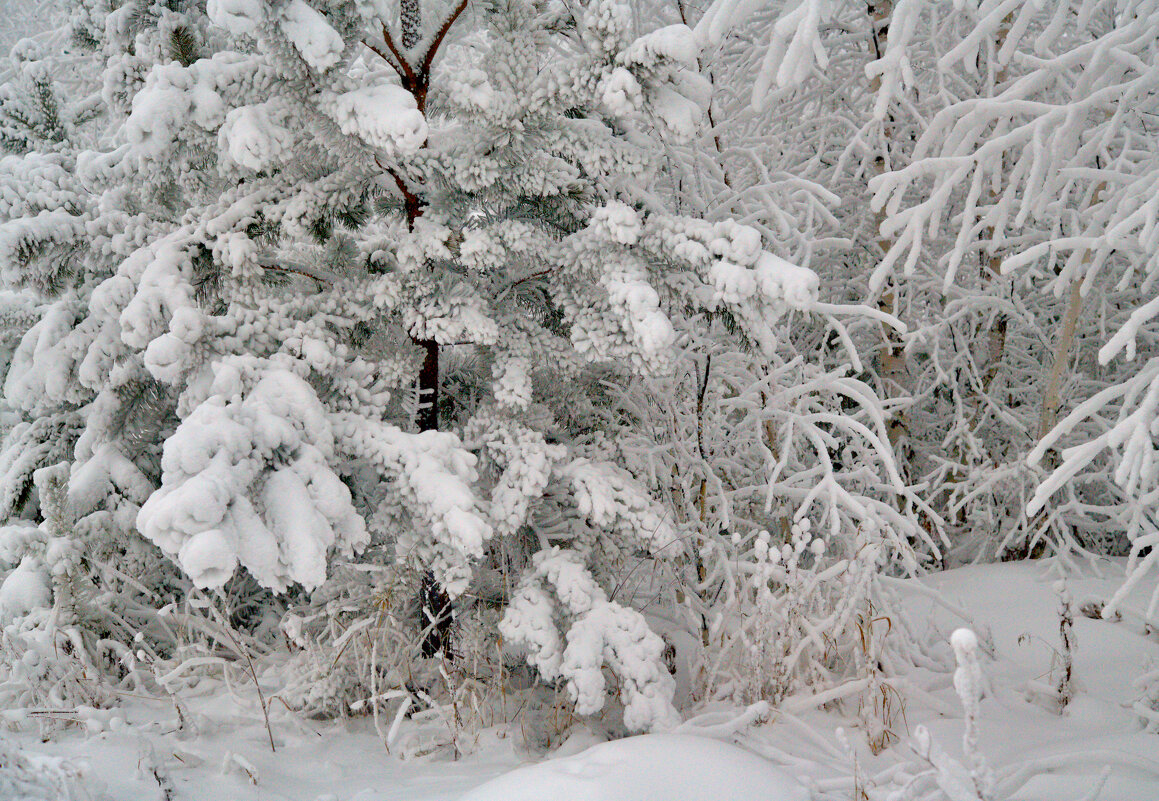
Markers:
point(652, 767)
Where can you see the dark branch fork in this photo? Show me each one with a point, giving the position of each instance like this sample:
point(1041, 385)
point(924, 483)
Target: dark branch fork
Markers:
point(436, 42)
point(417, 82)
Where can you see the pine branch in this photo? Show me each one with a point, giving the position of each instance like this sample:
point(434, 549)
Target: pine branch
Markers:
point(411, 201)
point(542, 273)
point(383, 55)
point(323, 277)
point(182, 46)
point(429, 57)
point(409, 71)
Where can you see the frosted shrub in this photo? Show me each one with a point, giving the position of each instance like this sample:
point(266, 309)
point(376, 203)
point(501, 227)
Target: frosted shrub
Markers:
point(793, 519)
point(814, 622)
point(932, 774)
point(342, 658)
point(53, 655)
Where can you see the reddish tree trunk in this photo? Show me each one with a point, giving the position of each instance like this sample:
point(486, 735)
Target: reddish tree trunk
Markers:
point(414, 72)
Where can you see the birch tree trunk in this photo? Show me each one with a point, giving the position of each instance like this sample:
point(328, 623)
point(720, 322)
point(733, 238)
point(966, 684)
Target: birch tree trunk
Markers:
point(1052, 394)
point(892, 366)
point(992, 264)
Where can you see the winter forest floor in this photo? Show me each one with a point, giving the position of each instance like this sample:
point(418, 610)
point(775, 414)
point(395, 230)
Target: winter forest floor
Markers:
point(138, 751)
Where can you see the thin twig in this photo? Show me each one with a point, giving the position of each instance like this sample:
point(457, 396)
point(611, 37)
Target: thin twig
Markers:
point(253, 673)
point(385, 57)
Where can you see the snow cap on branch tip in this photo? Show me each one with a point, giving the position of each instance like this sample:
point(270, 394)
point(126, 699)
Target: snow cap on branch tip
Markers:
point(618, 221)
point(384, 116)
point(254, 138)
point(674, 43)
point(964, 641)
point(239, 17)
point(317, 43)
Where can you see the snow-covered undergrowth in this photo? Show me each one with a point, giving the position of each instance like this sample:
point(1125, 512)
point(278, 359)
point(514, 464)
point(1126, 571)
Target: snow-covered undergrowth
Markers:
point(208, 741)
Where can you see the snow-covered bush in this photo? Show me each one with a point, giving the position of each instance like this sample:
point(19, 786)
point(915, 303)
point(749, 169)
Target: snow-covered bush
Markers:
point(931, 774)
point(782, 463)
point(53, 645)
point(792, 520)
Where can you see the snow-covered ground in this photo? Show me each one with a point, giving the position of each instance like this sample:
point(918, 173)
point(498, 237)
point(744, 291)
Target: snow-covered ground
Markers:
point(217, 749)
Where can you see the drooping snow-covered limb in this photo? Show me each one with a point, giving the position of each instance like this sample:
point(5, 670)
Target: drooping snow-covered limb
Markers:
point(797, 50)
point(718, 724)
point(225, 462)
point(599, 633)
point(433, 475)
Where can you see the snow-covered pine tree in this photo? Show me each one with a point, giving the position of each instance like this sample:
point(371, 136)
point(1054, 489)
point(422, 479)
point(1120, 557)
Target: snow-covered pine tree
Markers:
point(46, 116)
point(51, 640)
point(295, 211)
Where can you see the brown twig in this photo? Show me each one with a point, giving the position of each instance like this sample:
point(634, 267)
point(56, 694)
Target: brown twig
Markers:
point(429, 56)
point(408, 74)
point(411, 201)
point(524, 280)
point(385, 57)
point(281, 268)
point(240, 649)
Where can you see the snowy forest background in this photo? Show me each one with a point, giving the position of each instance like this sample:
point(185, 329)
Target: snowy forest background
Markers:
point(557, 364)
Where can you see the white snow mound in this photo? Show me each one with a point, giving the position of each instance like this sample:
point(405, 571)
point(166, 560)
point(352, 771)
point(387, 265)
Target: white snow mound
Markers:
point(24, 589)
point(651, 767)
